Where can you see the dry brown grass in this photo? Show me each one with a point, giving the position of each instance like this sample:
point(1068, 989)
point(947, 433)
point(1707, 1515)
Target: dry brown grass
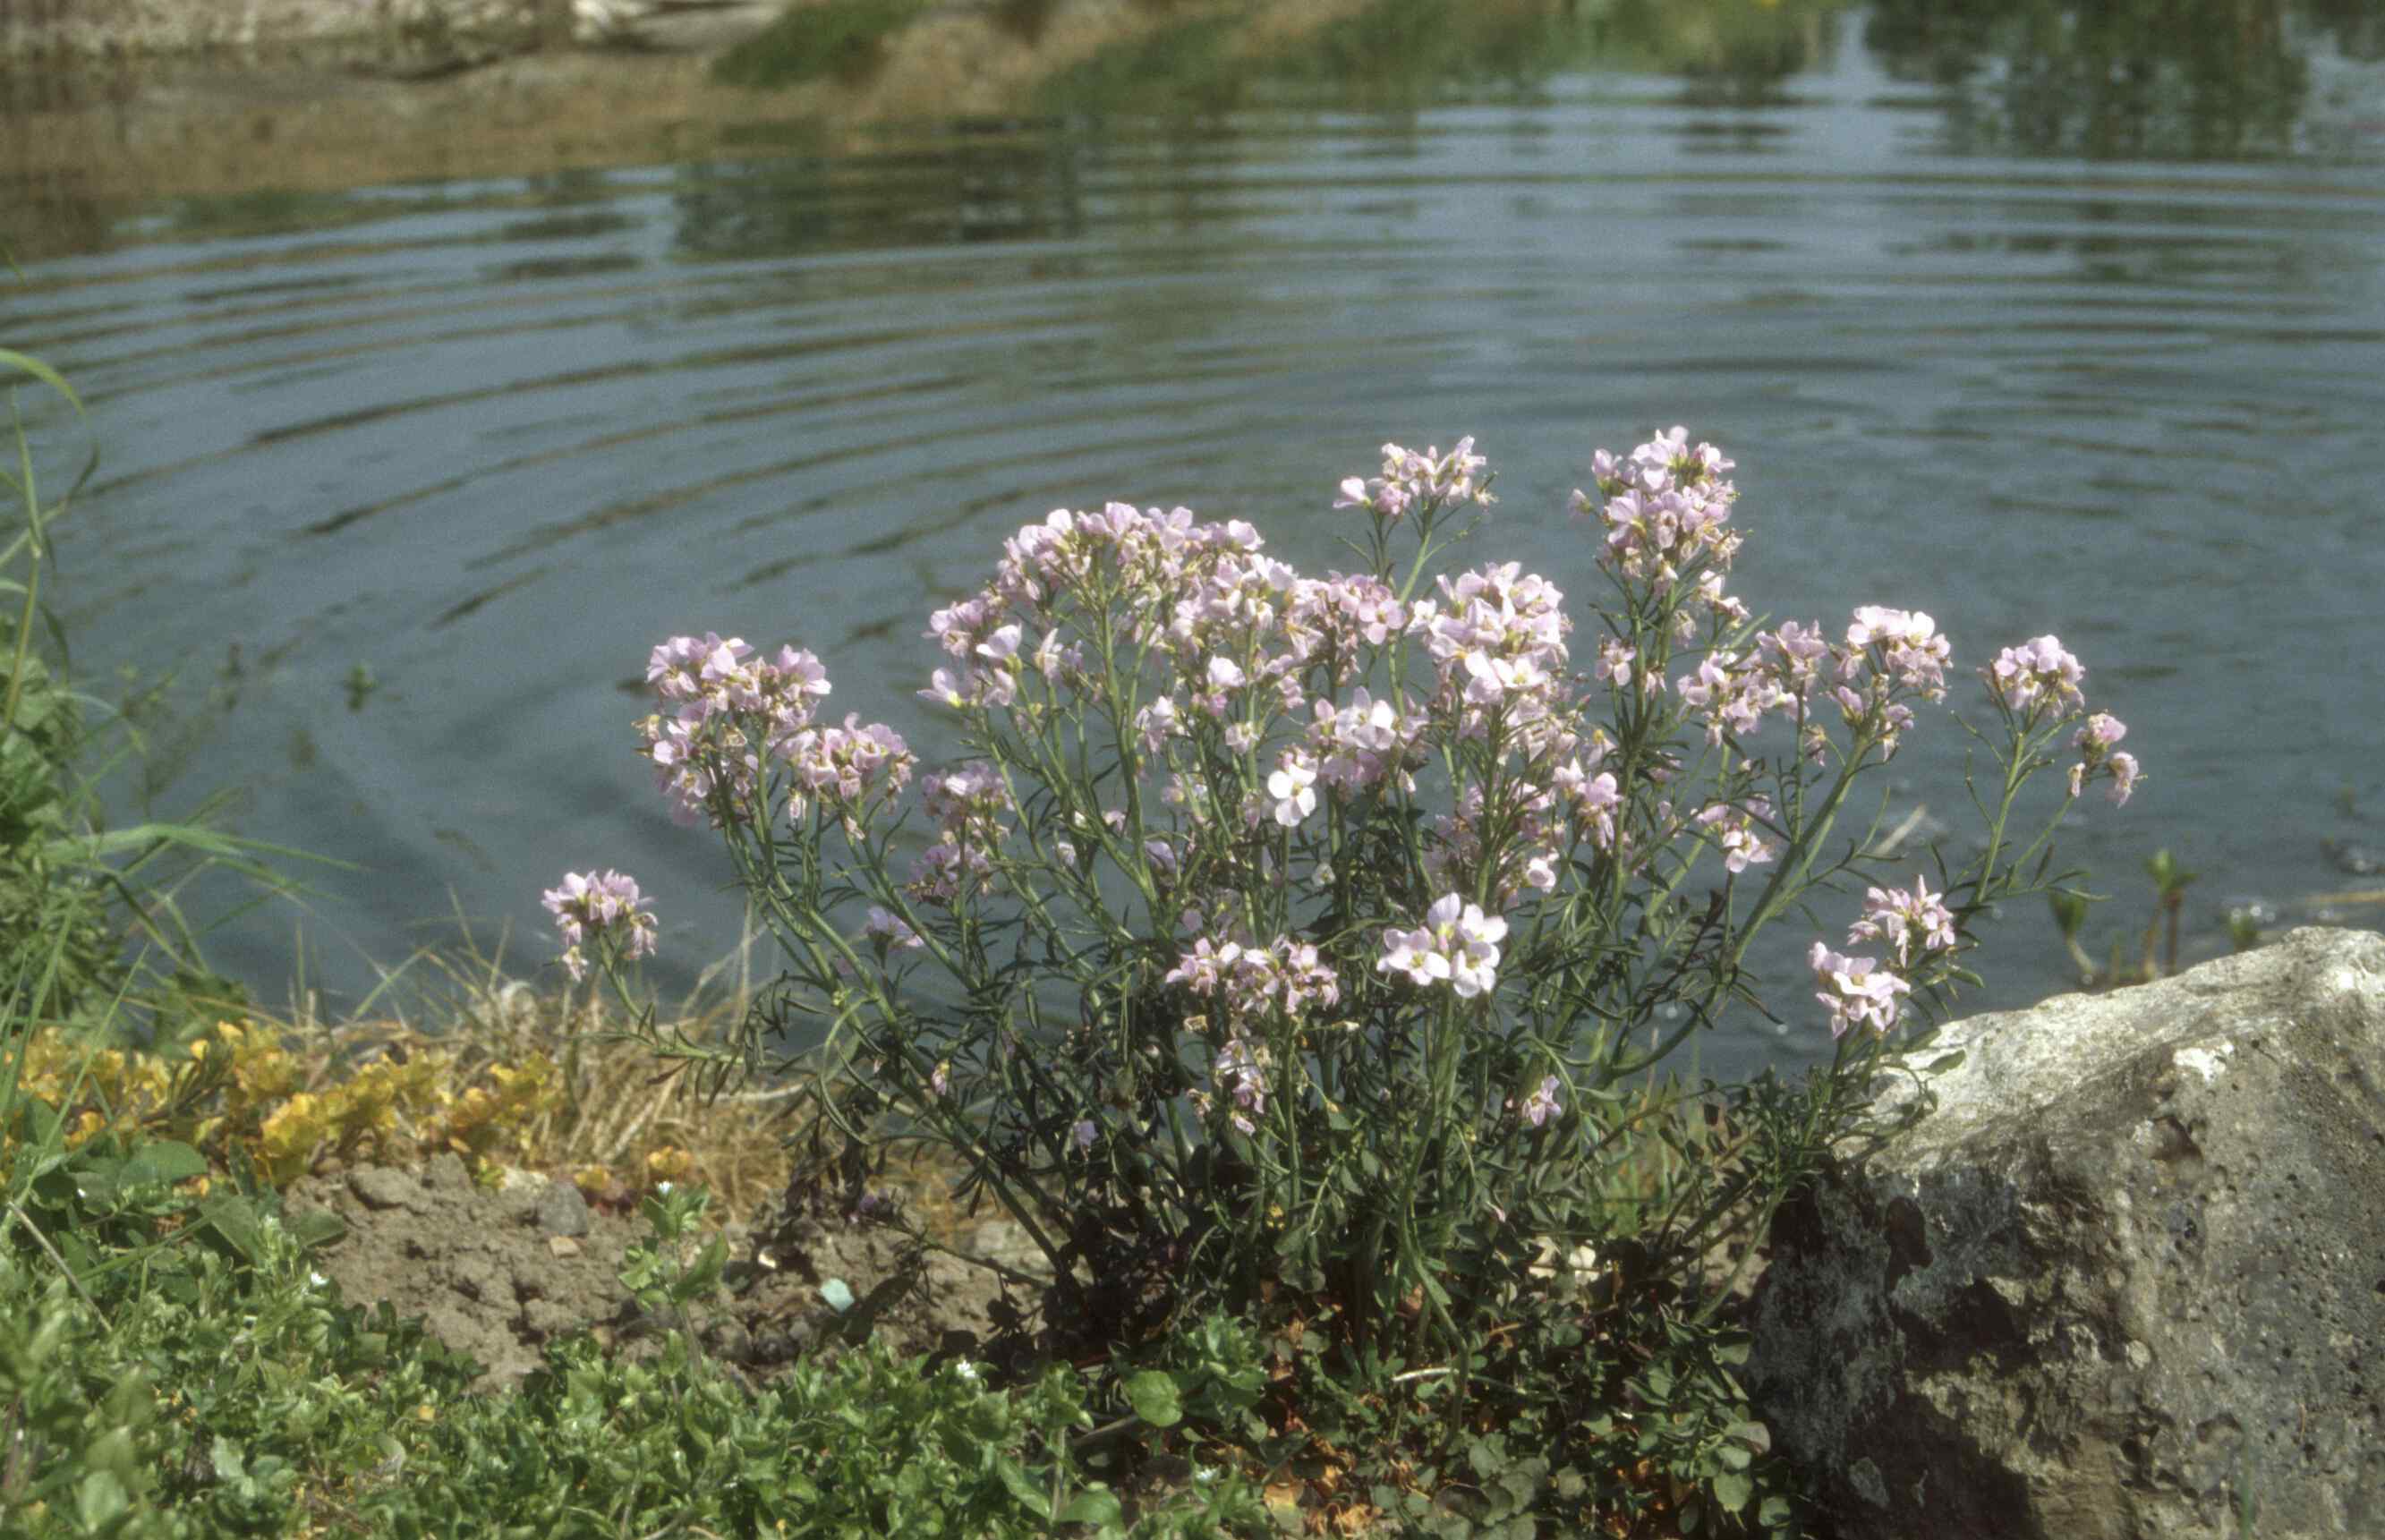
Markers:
point(621, 1120)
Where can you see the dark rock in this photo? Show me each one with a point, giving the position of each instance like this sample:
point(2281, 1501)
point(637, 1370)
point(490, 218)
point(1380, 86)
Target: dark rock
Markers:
point(2126, 1280)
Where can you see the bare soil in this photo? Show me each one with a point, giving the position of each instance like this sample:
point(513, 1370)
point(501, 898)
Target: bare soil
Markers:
point(497, 1274)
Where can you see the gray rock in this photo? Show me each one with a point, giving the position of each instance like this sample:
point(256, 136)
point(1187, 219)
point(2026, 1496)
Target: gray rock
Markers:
point(561, 1210)
point(2126, 1280)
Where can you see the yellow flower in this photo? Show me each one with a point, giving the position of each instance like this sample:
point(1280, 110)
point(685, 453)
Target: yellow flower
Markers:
point(287, 1142)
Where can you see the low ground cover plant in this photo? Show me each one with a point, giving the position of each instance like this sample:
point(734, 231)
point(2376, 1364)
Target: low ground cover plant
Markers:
point(1308, 953)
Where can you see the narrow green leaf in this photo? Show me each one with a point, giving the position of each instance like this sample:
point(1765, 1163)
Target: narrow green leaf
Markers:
point(27, 364)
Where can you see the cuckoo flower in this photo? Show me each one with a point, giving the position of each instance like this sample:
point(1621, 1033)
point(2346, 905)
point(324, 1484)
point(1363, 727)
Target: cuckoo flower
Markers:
point(606, 911)
point(1855, 990)
point(1911, 924)
point(2037, 674)
point(1457, 945)
point(2094, 741)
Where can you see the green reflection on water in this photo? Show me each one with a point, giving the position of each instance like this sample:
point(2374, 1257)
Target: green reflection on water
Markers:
point(2197, 79)
point(1403, 51)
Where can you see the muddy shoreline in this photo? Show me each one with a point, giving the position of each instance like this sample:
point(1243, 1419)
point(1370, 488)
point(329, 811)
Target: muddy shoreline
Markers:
point(83, 139)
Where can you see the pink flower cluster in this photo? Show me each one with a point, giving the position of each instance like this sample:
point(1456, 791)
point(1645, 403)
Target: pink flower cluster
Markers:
point(1543, 1104)
point(2096, 759)
point(890, 931)
point(725, 707)
point(1594, 799)
point(1856, 990)
point(1249, 984)
point(1331, 621)
point(967, 805)
point(1498, 638)
point(730, 711)
point(1237, 1073)
point(851, 767)
point(1457, 945)
point(1664, 506)
point(1889, 655)
point(1902, 645)
point(1733, 695)
point(1256, 712)
point(2037, 676)
point(1252, 982)
point(1357, 745)
point(1859, 991)
point(1795, 658)
point(1411, 481)
point(1913, 924)
point(604, 908)
point(1737, 832)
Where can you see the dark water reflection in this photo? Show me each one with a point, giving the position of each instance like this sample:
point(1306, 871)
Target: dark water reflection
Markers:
point(2034, 323)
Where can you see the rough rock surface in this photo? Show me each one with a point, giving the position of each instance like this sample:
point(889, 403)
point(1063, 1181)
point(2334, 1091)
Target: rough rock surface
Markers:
point(2127, 1279)
point(497, 1274)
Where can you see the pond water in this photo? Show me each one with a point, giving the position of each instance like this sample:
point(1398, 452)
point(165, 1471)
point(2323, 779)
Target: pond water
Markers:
point(2108, 362)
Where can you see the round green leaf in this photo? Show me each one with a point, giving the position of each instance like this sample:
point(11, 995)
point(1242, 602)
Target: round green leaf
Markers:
point(1153, 1395)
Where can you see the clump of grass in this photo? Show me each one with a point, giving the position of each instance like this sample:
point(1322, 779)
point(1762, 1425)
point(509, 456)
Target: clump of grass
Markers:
point(89, 921)
point(1186, 65)
point(841, 39)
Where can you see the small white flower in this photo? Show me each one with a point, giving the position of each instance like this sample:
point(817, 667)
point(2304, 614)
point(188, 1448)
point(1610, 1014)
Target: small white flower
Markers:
point(1294, 786)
